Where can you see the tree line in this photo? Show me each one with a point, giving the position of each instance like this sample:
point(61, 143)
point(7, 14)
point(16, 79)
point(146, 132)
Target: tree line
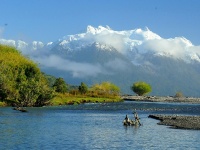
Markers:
point(104, 89)
point(23, 84)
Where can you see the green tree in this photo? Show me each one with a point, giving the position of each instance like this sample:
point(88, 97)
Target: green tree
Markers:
point(83, 88)
point(141, 88)
point(21, 81)
point(60, 85)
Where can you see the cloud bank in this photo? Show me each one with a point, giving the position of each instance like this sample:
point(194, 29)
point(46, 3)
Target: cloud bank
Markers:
point(81, 69)
point(179, 48)
point(77, 69)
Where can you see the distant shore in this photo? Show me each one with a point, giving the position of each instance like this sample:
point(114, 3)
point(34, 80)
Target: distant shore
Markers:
point(162, 99)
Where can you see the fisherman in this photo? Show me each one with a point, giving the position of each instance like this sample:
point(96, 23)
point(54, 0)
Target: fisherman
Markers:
point(127, 121)
point(126, 118)
point(137, 119)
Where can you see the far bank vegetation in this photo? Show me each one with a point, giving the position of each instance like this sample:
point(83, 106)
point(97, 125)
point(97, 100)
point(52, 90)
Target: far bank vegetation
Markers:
point(22, 84)
point(104, 92)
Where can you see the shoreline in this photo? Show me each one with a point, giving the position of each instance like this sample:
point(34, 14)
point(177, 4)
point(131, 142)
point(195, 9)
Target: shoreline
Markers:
point(178, 122)
point(169, 99)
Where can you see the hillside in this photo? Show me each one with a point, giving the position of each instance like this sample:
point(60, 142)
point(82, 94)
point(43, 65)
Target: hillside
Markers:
point(21, 81)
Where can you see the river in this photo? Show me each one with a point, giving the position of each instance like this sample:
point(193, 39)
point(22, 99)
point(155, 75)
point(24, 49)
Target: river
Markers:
point(95, 126)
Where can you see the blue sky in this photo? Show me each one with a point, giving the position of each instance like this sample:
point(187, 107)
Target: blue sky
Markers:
point(49, 20)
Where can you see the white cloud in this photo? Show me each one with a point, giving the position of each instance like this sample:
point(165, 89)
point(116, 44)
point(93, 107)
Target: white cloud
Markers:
point(168, 46)
point(81, 69)
point(177, 47)
point(77, 69)
point(8, 42)
point(113, 39)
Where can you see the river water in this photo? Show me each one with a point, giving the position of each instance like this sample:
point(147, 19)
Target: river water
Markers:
point(95, 127)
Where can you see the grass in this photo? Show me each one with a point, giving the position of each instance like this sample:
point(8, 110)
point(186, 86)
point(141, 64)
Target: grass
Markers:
point(63, 99)
point(67, 99)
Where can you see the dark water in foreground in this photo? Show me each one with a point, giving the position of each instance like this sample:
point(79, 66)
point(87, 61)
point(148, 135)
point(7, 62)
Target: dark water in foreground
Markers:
point(95, 126)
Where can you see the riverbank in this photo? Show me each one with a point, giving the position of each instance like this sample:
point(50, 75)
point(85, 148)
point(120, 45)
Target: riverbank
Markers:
point(162, 99)
point(61, 99)
point(79, 99)
point(178, 122)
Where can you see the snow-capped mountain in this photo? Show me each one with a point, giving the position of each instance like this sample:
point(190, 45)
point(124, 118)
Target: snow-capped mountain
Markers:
point(137, 42)
point(100, 54)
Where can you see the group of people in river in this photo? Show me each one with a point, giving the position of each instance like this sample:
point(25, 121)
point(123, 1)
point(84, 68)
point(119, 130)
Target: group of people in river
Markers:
point(136, 120)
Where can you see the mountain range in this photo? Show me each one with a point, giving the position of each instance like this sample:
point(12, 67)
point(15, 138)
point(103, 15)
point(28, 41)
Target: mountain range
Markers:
point(121, 57)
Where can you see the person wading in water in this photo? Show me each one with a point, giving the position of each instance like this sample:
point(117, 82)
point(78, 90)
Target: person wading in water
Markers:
point(127, 121)
point(137, 119)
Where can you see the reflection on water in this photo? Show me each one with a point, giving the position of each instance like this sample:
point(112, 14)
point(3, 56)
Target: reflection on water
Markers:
point(95, 126)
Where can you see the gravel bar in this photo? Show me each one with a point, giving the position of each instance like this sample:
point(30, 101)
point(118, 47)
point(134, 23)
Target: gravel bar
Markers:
point(170, 99)
point(178, 122)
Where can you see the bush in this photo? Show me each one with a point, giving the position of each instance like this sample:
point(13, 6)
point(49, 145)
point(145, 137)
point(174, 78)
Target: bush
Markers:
point(141, 88)
point(179, 94)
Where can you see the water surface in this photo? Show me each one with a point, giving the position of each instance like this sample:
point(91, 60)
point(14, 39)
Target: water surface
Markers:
point(95, 126)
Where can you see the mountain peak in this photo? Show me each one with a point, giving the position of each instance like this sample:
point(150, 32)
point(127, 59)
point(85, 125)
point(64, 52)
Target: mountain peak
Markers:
point(93, 30)
point(142, 35)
